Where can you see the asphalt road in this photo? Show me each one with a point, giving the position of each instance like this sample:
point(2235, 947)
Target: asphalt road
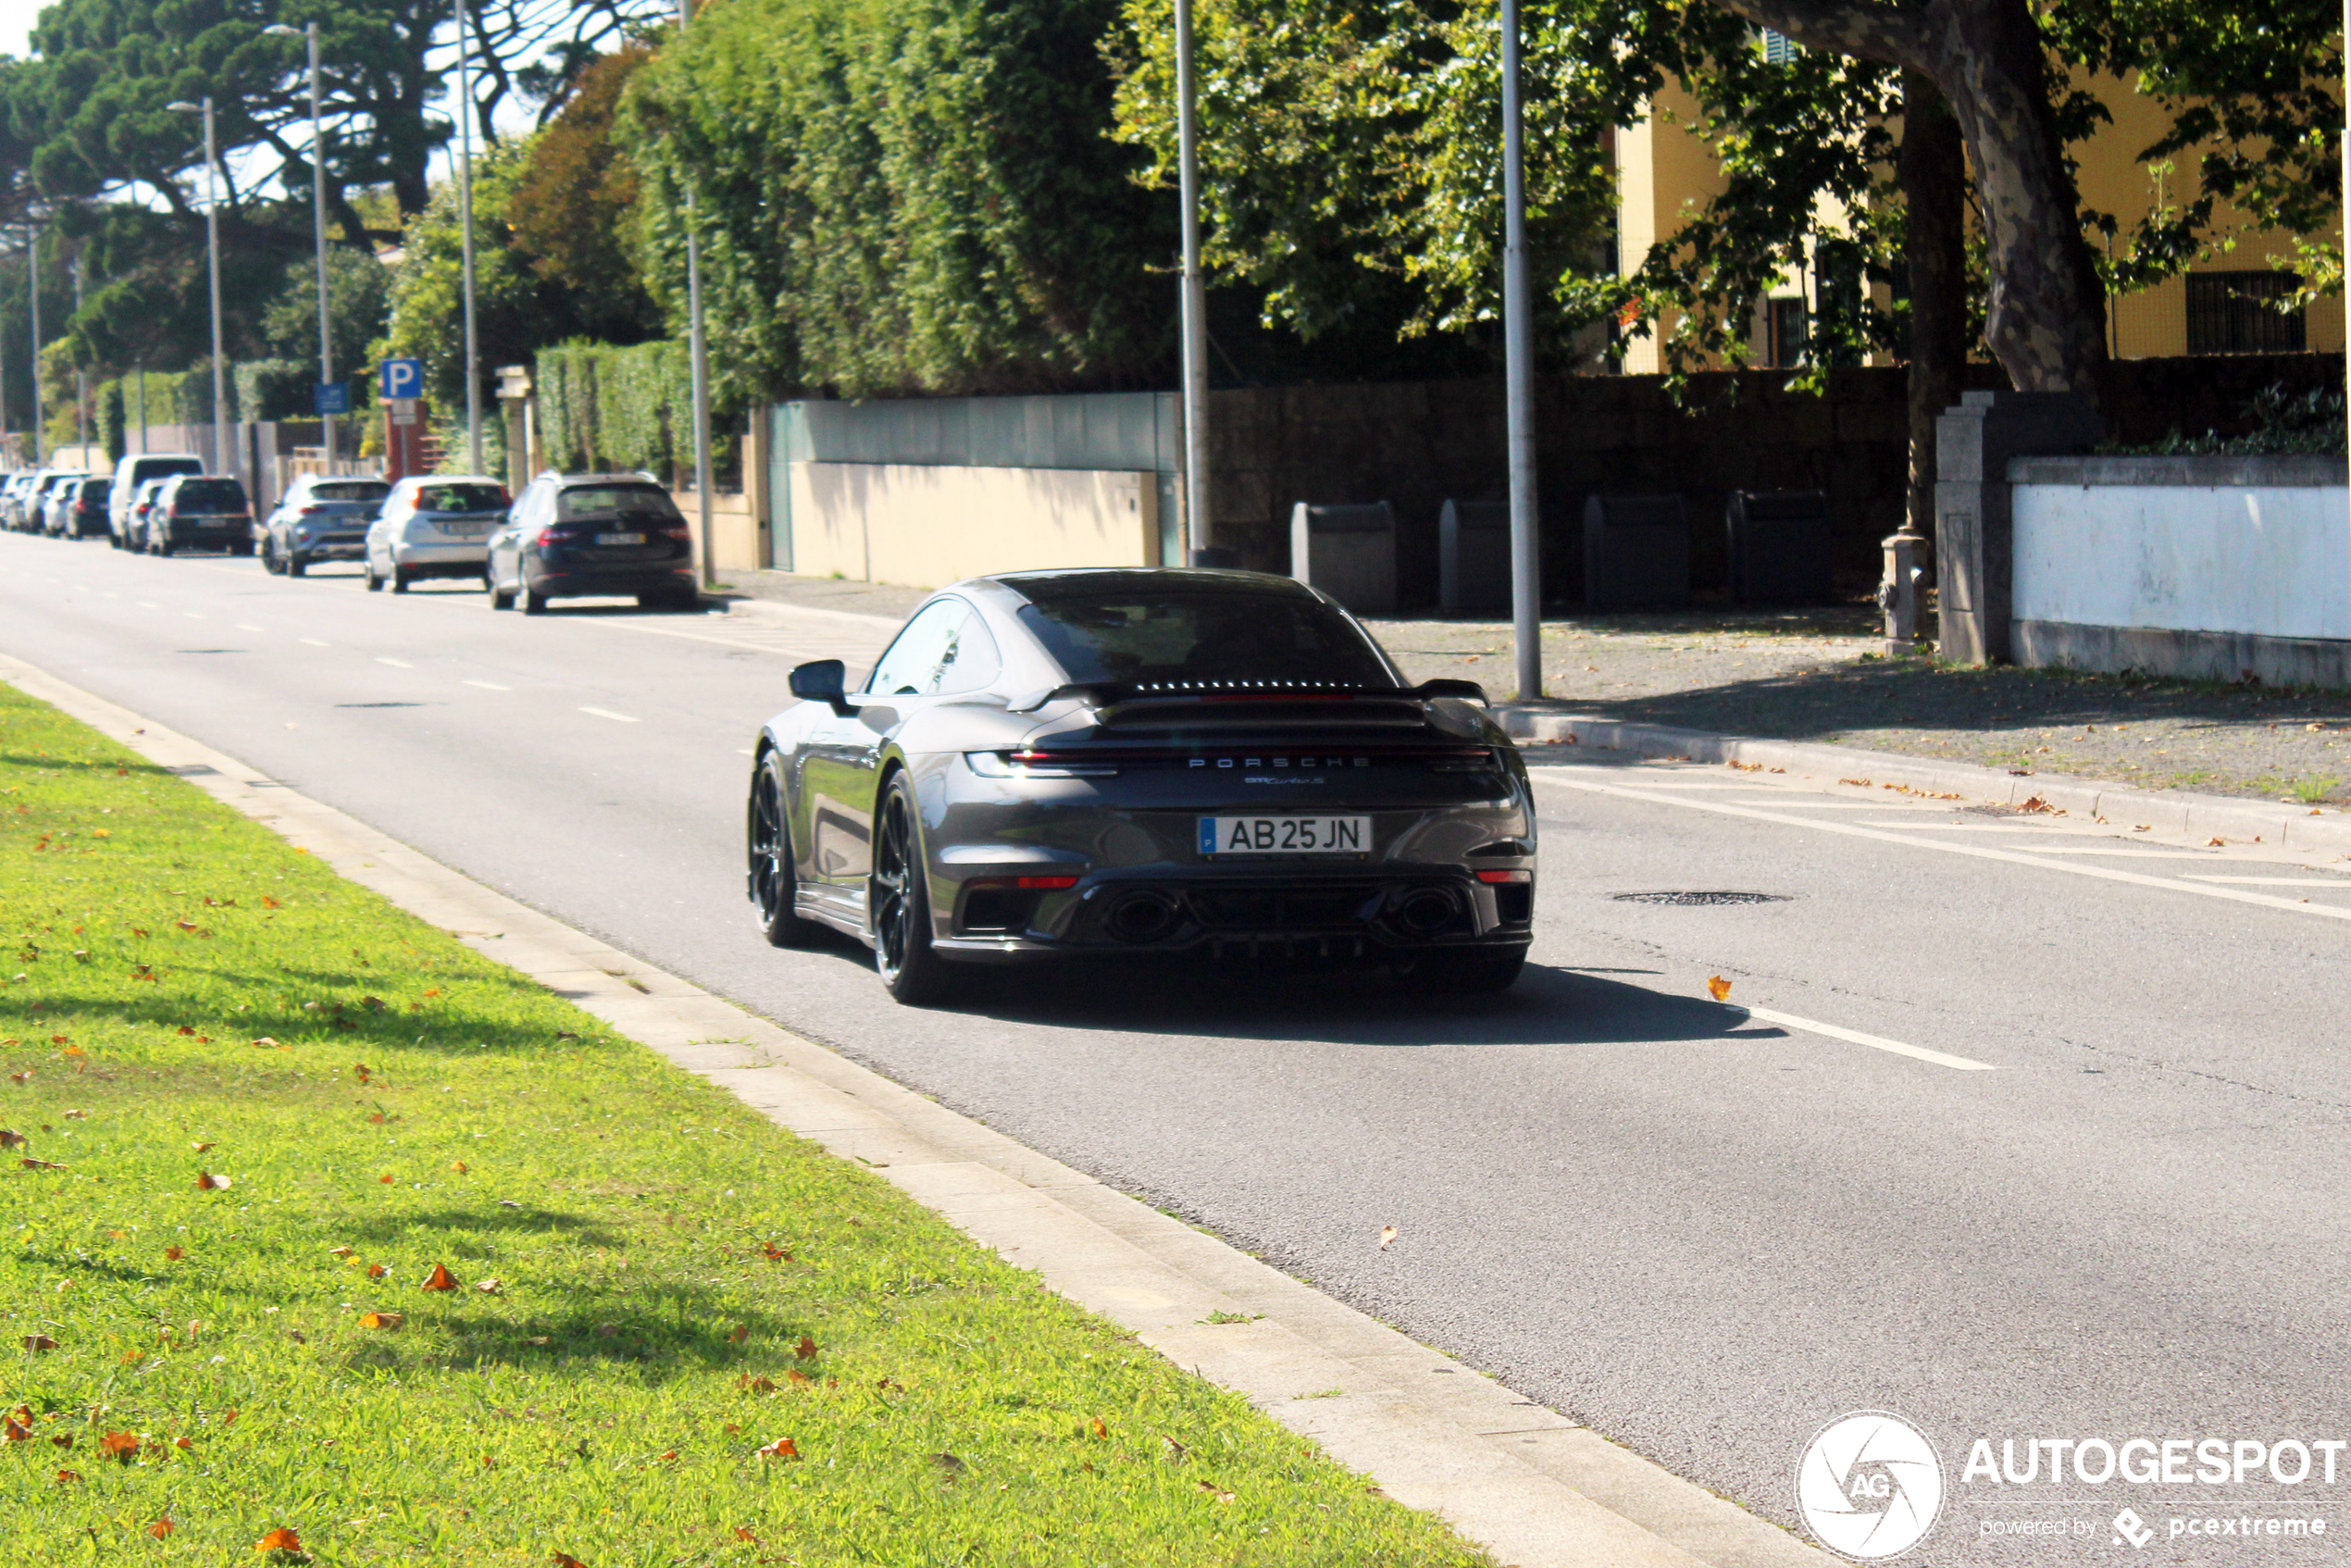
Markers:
point(1703, 1233)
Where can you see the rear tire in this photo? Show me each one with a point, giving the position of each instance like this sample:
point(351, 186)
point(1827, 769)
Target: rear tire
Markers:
point(773, 885)
point(534, 602)
point(297, 564)
point(499, 599)
point(399, 580)
point(909, 966)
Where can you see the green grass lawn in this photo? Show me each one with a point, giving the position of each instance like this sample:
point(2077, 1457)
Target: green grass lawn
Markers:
point(678, 1333)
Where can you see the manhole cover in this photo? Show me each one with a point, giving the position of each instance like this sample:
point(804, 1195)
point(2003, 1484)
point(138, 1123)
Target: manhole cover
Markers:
point(1685, 899)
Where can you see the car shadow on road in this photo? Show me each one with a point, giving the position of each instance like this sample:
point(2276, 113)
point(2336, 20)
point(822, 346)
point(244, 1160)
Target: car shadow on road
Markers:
point(1547, 1006)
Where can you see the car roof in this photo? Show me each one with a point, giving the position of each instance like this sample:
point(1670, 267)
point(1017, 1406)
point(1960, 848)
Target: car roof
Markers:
point(567, 481)
point(1087, 582)
point(418, 480)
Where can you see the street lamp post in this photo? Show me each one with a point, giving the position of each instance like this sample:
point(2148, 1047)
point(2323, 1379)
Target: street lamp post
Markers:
point(1197, 531)
point(309, 33)
point(465, 218)
point(212, 251)
point(1518, 340)
point(697, 352)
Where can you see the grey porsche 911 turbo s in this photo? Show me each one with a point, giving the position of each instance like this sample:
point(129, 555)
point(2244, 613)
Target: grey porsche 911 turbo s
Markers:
point(1222, 764)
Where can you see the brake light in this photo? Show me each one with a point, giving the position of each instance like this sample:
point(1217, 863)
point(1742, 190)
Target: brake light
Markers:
point(1026, 884)
point(311, 511)
point(547, 537)
point(1506, 876)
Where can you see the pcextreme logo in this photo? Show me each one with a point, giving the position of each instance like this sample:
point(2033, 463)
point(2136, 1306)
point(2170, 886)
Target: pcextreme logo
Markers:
point(1869, 1486)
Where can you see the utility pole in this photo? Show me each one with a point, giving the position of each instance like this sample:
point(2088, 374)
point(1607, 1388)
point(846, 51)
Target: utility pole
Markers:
point(32, 273)
point(464, 217)
point(143, 408)
point(81, 377)
point(698, 351)
point(212, 252)
point(1199, 529)
point(1517, 338)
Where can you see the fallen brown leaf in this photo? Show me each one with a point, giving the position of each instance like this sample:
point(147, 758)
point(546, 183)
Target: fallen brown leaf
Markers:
point(1387, 1234)
point(1719, 987)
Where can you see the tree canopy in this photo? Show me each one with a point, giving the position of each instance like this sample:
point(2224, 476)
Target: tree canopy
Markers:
point(913, 197)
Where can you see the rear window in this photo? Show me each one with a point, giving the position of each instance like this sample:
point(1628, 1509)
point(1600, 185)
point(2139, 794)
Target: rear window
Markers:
point(163, 467)
point(615, 501)
point(1208, 637)
point(96, 489)
point(461, 498)
point(351, 490)
point(210, 494)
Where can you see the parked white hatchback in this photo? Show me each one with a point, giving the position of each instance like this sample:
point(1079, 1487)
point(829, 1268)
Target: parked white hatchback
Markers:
point(434, 524)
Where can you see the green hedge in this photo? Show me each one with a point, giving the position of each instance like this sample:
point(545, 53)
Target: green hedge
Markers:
point(606, 408)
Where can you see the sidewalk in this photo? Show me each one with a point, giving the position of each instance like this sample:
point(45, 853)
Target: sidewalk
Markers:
point(1815, 674)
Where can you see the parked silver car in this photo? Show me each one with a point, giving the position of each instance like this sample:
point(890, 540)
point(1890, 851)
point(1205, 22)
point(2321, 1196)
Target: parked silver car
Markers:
point(46, 516)
point(320, 517)
point(435, 525)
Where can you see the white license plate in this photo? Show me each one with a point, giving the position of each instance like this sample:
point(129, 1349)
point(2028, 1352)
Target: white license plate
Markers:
point(620, 538)
point(468, 530)
point(1284, 835)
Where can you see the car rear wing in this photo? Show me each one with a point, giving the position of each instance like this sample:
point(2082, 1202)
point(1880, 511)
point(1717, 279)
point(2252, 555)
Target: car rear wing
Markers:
point(1364, 701)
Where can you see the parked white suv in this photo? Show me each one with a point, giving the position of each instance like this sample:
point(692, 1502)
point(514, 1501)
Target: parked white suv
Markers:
point(133, 472)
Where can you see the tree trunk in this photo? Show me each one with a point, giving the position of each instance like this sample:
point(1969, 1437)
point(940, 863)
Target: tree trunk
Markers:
point(2045, 316)
point(1933, 174)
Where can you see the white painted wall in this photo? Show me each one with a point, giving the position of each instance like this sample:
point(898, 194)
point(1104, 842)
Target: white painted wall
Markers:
point(2266, 561)
point(926, 527)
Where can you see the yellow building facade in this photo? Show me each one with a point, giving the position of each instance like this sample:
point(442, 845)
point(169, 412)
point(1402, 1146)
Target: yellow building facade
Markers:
point(1666, 173)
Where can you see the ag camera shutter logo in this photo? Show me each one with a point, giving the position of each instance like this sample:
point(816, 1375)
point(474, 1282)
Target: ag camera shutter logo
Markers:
point(1869, 1486)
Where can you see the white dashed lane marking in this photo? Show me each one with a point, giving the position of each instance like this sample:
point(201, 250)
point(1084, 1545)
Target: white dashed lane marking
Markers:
point(1875, 1042)
point(489, 686)
point(396, 664)
point(607, 713)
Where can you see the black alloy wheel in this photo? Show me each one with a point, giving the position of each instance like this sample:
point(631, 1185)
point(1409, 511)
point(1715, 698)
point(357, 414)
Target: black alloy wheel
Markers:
point(773, 886)
point(910, 967)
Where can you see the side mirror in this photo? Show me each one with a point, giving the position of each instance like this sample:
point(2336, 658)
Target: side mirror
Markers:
point(822, 682)
point(1468, 691)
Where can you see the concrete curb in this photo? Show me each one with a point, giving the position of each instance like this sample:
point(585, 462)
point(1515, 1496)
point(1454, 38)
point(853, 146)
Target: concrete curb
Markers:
point(1523, 1481)
point(2169, 811)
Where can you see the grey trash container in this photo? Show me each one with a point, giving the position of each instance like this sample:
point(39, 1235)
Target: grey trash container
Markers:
point(1636, 553)
point(1473, 557)
point(1348, 552)
point(1779, 547)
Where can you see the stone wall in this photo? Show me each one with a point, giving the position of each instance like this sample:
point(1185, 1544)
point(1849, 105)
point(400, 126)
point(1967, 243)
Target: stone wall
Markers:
point(1416, 443)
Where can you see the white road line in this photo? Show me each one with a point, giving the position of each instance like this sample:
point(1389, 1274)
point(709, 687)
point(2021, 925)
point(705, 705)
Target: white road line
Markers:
point(314, 643)
point(607, 713)
point(1980, 827)
point(741, 751)
point(396, 664)
point(192, 614)
point(2340, 882)
point(1838, 805)
point(2138, 854)
point(489, 686)
point(145, 604)
point(1875, 1042)
point(1978, 852)
point(242, 626)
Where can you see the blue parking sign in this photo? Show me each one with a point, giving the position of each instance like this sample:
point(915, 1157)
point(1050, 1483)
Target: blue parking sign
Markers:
point(404, 378)
point(330, 397)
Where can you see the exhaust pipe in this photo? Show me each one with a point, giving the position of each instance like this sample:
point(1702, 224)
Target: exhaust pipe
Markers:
point(1140, 917)
point(1424, 912)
